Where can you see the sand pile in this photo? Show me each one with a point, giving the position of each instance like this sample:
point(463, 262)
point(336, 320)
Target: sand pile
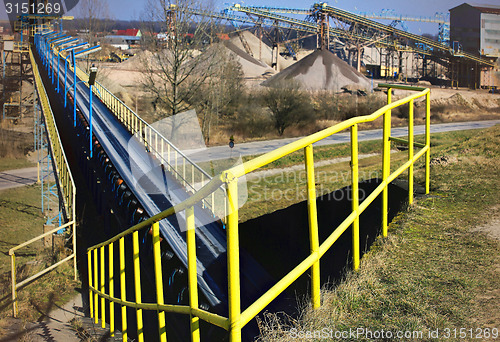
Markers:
point(251, 67)
point(136, 62)
point(321, 70)
point(262, 51)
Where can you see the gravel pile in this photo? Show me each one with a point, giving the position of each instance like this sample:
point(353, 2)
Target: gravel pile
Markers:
point(251, 67)
point(321, 70)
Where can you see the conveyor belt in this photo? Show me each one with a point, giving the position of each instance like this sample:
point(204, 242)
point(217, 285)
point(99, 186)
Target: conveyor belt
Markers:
point(355, 18)
point(157, 190)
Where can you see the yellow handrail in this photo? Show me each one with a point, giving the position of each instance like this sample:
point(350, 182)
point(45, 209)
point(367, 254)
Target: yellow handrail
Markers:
point(66, 186)
point(237, 319)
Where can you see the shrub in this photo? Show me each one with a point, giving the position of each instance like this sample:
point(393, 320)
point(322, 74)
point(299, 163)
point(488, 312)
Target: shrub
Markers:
point(288, 105)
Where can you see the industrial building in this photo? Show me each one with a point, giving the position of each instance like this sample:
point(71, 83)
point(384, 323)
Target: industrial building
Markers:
point(476, 28)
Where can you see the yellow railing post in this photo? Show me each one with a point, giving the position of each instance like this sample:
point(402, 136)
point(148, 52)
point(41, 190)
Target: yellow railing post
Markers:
point(386, 164)
point(192, 273)
point(91, 298)
point(233, 259)
point(137, 283)
point(123, 293)
point(103, 300)
point(111, 291)
point(355, 195)
point(313, 226)
point(162, 330)
point(14, 287)
point(427, 142)
point(410, 153)
point(73, 210)
point(96, 297)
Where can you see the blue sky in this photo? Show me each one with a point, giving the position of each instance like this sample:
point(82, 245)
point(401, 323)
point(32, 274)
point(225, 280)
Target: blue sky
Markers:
point(132, 9)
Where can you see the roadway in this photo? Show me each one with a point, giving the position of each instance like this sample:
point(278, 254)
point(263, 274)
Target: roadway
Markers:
point(19, 177)
point(260, 147)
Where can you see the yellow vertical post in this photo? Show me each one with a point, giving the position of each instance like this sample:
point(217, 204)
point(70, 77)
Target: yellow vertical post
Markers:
point(150, 142)
point(355, 195)
point(103, 300)
point(192, 178)
point(192, 272)
point(14, 290)
point(162, 152)
point(159, 281)
point(410, 153)
point(123, 292)
point(96, 297)
point(427, 142)
point(176, 168)
point(156, 145)
point(91, 299)
point(184, 170)
point(137, 283)
point(313, 226)
point(233, 259)
point(386, 164)
point(73, 211)
point(168, 157)
point(111, 292)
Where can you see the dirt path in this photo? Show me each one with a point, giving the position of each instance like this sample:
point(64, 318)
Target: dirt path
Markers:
point(53, 326)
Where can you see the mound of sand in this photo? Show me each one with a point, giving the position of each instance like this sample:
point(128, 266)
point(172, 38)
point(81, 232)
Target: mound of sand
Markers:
point(262, 51)
point(136, 62)
point(251, 67)
point(321, 70)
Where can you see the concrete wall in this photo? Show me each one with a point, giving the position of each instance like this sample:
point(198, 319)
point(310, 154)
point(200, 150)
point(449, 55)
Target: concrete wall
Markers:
point(490, 35)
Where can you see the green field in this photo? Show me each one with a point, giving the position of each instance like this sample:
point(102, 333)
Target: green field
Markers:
point(433, 271)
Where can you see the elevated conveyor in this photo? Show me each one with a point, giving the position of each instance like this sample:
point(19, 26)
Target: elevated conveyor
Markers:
point(157, 190)
point(352, 18)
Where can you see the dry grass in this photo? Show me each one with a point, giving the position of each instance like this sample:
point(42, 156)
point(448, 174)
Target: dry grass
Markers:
point(14, 146)
point(21, 220)
point(433, 271)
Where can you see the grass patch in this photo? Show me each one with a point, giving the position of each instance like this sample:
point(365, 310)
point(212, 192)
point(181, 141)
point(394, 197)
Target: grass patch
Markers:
point(432, 272)
point(14, 146)
point(14, 163)
point(20, 220)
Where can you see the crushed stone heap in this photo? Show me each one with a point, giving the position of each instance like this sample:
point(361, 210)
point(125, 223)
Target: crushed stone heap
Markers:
point(250, 66)
point(321, 70)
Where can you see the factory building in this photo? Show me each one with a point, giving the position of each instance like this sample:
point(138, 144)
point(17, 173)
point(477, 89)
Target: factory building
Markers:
point(477, 28)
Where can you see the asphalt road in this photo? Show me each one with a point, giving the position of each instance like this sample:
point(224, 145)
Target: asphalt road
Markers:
point(16, 178)
point(260, 147)
point(20, 177)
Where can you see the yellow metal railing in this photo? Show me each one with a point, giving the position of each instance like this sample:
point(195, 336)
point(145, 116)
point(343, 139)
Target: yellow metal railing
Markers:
point(190, 175)
point(237, 319)
point(66, 185)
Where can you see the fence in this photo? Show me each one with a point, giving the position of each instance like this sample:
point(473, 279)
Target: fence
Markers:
point(190, 175)
point(237, 319)
point(66, 186)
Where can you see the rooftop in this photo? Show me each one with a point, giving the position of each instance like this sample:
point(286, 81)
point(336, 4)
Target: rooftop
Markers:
point(492, 9)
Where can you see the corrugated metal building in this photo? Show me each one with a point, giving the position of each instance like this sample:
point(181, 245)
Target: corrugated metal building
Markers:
point(477, 28)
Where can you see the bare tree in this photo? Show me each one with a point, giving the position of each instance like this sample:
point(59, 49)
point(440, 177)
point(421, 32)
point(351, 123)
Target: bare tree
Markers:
point(96, 16)
point(221, 94)
point(174, 70)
